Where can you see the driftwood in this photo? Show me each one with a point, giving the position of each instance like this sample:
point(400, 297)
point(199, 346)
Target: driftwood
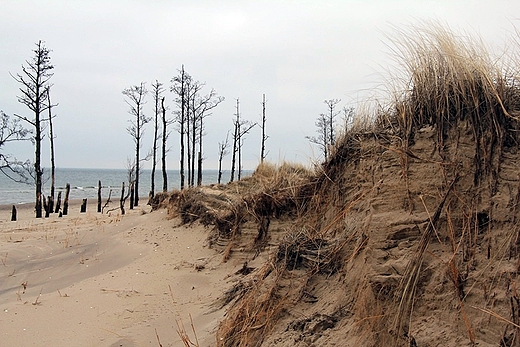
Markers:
point(107, 202)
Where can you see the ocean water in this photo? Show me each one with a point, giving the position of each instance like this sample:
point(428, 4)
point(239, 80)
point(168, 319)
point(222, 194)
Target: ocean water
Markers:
point(84, 183)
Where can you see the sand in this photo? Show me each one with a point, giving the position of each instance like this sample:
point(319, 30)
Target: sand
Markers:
point(96, 279)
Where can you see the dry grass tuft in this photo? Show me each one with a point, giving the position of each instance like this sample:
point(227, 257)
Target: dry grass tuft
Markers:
point(448, 79)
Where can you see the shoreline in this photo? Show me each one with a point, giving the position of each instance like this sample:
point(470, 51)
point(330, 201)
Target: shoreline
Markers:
point(25, 211)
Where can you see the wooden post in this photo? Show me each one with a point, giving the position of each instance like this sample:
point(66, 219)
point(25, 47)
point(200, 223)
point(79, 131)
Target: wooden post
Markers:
point(66, 202)
point(83, 208)
point(99, 197)
point(58, 203)
point(13, 214)
point(122, 201)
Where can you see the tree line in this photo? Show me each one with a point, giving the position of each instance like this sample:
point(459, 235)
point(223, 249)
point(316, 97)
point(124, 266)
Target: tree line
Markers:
point(192, 104)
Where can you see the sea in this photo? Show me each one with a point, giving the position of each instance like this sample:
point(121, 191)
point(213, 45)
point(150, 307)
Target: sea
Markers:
point(84, 183)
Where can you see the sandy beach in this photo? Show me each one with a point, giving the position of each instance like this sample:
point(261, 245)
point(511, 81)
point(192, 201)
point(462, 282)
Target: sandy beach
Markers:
point(95, 279)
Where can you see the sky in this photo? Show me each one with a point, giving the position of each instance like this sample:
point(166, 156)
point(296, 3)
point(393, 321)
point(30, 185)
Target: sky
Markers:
point(297, 53)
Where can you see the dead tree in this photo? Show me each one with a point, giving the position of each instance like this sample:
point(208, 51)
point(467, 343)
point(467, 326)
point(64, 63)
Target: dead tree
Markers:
point(66, 202)
point(99, 197)
point(332, 114)
point(83, 207)
point(132, 174)
point(34, 80)
point(193, 126)
point(263, 154)
point(157, 90)
point(164, 137)
point(222, 152)
point(11, 130)
point(180, 88)
point(208, 102)
point(241, 128)
point(51, 139)
point(122, 200)
point(322, 140)
point(58, 203)
point(235, 141)
point(135, 99)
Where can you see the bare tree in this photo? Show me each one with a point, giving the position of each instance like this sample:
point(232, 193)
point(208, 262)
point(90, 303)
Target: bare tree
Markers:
point(11, 130)
point(332, 114)
point(34, 80)
point(222, 152)
point(135, 99)
point(236, 128)
point(323, 138)
point(50, 205)
point(241, 128)
point(193, 125)
point(157, 90)
point(208, 102)
point(180, 88)
point(263, 154)
point(164, 137)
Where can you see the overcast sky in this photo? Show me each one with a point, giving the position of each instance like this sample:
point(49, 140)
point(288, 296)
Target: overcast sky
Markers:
point(299, 53)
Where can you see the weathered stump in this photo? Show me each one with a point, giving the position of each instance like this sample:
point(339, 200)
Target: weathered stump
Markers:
point(99, 197)
point(58, 203)
point(13, 214)
point(122, 200)
point(83, 208)
point(48, 207)
point(66, 202)
point(132, 193)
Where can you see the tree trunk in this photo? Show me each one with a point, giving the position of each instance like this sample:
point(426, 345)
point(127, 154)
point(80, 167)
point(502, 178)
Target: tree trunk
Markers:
point(220, 168)
point(83, 207)
point(51, 139)
point(188, 145)
point(193, 145)
point(235, 142)
point(183, 119)
point(66, 202)
point(13, 214)
point(47, 206)
point(239, 156)
point(199, 163)
point(99, 197)
point(262, 149)
point(132, 194)
point(199, 170)
point(137, 171)
point(37, 168)
point(122, 200)
point(164, 137)
point(154, 149)
point(58, 203)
